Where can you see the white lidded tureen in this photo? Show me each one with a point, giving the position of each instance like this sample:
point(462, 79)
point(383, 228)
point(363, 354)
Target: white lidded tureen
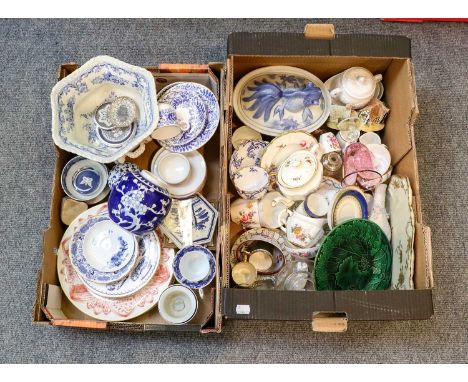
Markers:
point(75, 99)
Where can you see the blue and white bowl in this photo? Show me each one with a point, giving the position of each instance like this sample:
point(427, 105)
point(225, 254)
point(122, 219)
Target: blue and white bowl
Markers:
point(251, 182)
point(83, 179)
point(137, 203)
point(101, 252)
point(249, 153)
point(194, 266)
point(75, 98)
point(118, 170)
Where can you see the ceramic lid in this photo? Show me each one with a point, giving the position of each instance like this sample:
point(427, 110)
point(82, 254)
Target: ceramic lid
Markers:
point(298, 169)
point(358, 82)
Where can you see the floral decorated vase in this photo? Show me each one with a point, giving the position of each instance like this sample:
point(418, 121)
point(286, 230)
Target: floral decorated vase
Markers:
point(137, 204)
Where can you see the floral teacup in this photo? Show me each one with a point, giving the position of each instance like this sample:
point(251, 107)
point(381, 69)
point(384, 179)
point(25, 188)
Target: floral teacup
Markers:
point(245, 212)
point(302, 230)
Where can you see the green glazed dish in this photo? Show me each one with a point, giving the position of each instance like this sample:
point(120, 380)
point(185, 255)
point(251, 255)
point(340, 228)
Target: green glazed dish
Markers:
point(355, 255)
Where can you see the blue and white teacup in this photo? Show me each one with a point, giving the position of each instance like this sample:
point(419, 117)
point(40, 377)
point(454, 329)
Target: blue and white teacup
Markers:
point(171, 123)
point(137, 203)
point(251, 182)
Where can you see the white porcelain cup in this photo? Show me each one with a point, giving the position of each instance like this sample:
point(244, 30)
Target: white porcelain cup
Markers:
point(303, 231)
point(316, 205)
point(370, 138)
point(329, 143)
point(173, 168)
point(245, 212)
point(177, 304)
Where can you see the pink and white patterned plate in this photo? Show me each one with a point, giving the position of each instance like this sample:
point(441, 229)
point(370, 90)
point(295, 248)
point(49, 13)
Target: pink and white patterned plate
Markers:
point(103, 308)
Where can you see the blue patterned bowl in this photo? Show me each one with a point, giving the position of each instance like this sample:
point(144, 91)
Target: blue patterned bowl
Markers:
point(137, 204)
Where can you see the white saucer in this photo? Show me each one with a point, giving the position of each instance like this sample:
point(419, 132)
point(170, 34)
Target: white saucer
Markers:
point(191, 185)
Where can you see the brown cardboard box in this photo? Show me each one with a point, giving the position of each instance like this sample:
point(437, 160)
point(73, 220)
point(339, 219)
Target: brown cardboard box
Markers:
point(389, 55)
point(53, 308)
point(328, 310)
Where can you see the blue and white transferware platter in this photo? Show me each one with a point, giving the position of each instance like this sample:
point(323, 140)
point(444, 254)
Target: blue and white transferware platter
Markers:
point(212, 109)
point(75, 99)
point(194, 266)
point(276, 99)
point(190, 221)
point(145, 267)
point(101, 251)
point(195, 111)
point(83, 179)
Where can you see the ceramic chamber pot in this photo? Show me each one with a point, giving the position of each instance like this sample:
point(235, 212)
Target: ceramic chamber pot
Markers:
point(137, 204)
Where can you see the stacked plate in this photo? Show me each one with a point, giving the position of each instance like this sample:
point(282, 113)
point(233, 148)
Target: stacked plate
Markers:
point(196, 113)
point(109, 273)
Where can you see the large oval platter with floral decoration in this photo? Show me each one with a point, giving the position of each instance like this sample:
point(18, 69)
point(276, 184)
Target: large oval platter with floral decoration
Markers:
point(276, 99)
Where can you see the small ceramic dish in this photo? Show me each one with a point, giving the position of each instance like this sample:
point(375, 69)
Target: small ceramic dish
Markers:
point(116, 136)
point(265, 257)
point(193, 183)
point(101, 251)
point(145, 267)
point(173, 168)
point(349, 203)
point(300, 193)
point(212, 109)
point(194, 266)
point(83, 179)
point(251, 182)
point(75, 99)
point(316, 205)
point(177, 305)
point(242, 134)
point(101, 117)
point(297, 170)
point(249, 153)
point(275, 99)
point(122, 112)
point(190, 220)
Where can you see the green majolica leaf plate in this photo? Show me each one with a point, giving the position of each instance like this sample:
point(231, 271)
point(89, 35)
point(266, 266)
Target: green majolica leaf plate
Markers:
point(355, 255)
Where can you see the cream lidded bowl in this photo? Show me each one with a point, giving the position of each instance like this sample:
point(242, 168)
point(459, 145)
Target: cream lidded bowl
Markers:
point(75, 98)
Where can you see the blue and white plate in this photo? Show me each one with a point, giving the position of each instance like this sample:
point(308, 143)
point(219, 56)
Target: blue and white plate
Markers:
point(349, 203)
point(146, 265)
point(194, 109)
point(83, 179)
point(200, 229)
point(101, 251)
point(212, 109)
point(194, 266)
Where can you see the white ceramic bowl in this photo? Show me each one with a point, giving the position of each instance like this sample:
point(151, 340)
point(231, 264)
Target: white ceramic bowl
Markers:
point(251, 182)
point(177, 304)
point(174, 168)
point(75, 98)
point(84, 179)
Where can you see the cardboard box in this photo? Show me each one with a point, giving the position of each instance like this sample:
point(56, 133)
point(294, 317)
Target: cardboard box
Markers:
point(389, 55)
point(52, 307)
point(328, 310)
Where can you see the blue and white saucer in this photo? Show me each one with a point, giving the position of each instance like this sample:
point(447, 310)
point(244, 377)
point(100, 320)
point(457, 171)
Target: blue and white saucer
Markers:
point(349, 203)
point(83, 179)
point(194, 266)
point(212, 121)
point(193, 109)
point(146, 265)
point(200, 221)
point(101, 251)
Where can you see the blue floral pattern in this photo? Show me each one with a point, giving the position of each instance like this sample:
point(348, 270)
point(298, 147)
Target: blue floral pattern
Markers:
point(137, 205)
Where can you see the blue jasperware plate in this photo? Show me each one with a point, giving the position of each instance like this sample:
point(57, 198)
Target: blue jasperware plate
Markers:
point(75, 98)
point(212, 110)
point(196, 111)
point(276, 99)
point(189, 256)
point(145, 268)
point(92, 256)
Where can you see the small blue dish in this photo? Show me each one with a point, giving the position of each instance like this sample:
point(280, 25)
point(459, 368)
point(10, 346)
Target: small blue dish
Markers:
point(194, 266)
point(83, 179)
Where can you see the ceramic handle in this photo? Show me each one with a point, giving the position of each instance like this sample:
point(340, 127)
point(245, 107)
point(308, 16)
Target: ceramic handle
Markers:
point(283, 223)
point(378, 77)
